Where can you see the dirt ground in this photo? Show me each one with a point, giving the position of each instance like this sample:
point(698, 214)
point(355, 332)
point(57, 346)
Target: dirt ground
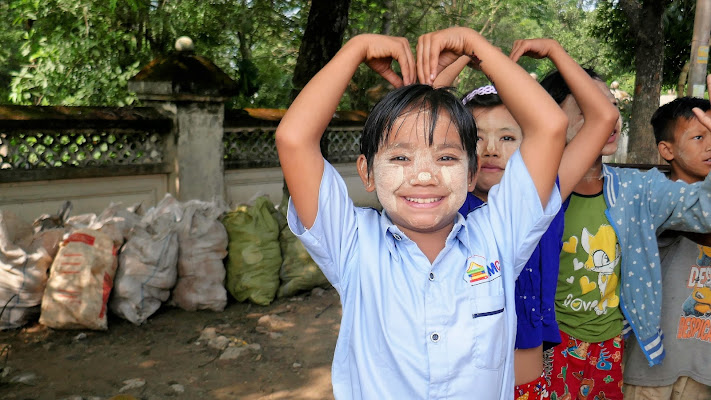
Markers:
point(283, 351)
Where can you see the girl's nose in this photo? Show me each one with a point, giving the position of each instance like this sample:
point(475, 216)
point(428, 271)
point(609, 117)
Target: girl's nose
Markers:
point(489, 148)
point(423, 178)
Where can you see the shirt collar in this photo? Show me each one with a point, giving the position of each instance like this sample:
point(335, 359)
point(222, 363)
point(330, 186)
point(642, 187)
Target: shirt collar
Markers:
point(393, 234)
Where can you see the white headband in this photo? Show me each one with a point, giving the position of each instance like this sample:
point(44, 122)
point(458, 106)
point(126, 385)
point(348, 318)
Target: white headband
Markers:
point(480, 91)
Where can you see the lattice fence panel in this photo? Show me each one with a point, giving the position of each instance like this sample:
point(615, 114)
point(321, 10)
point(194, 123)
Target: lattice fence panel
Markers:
point(254, 146)
point(37, 150)
point(343, 143)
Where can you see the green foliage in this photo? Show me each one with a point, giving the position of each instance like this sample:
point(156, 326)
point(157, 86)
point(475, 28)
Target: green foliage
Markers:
point(82, 52)
point(611, 25)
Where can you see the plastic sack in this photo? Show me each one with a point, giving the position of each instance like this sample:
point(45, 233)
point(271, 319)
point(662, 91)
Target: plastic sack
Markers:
point(148, 263)
point(25, 257)
point(298, 270)
point(80, 282)
point(202, 247)
point(254, 256)
point(115, 221)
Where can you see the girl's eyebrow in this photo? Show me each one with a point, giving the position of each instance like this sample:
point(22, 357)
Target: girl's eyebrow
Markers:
point(449, 146)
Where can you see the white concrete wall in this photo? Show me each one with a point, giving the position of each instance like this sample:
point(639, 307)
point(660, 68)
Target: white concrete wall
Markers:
point(31, 199)
point(242, 185)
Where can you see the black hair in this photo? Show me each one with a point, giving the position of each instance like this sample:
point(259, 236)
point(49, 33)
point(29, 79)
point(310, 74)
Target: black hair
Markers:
point(664, 119)
point(483, 100)
point(555, 84)
point(420, 98)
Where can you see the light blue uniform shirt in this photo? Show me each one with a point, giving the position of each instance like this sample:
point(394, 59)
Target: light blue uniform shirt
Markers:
point(412, 329)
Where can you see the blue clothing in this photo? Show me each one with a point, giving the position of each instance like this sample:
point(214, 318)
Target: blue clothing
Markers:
point(641, 205)
point(412, 329)
point(535, 286)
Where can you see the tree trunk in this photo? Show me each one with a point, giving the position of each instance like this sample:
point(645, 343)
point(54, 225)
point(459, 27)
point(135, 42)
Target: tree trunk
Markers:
point(322, 39)
point(683, 76)
point(646, 22)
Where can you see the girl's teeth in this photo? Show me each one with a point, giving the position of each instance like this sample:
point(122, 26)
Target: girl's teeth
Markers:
point(422, 201)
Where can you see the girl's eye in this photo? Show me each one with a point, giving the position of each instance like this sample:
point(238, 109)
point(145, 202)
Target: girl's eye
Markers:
point(698, 137)
point(508, 138)
point(479, 139)
point(399, 158)
point(448, 158)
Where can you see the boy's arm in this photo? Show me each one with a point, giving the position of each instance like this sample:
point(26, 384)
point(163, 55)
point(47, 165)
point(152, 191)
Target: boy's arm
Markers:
point(542, 121)
point(703, 118)
point(600, 115)
point(299, 133)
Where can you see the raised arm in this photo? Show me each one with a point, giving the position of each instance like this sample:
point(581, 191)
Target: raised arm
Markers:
point(599, 114)
point(542, 122)
point(299, 133)
point(449, 74)
point(703, 118)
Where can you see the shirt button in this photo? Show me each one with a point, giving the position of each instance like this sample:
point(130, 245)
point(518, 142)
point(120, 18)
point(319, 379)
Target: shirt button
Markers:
point(431, 276)
point(397, 237)
point(435, 337)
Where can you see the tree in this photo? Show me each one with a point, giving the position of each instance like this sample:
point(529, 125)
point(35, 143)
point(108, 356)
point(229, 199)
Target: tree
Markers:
point(322, 39)
point(82, 52)
point(646, 23)
point(661, 32)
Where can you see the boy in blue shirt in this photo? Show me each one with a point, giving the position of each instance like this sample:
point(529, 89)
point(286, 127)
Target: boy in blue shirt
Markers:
point(427, 295)
point(683, 136)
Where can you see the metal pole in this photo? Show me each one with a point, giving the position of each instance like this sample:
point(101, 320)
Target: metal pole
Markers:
point(699, 49)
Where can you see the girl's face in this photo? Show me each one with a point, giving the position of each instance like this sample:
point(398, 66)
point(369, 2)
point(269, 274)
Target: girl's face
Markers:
point(421, 186)
point(576, 120)
point(499, 136)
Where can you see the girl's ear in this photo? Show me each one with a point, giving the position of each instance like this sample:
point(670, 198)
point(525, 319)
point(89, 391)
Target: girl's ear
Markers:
point(666, 150)
point(365, 177)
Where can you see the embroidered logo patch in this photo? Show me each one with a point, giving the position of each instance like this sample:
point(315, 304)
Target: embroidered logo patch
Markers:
point(478, 271)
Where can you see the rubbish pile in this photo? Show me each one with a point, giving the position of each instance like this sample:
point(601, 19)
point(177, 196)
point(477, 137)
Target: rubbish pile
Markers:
point(68, 272)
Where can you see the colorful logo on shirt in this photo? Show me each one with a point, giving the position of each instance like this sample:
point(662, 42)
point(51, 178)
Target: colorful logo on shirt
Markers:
point(478, 271)
point(603, 256)
point(695, 320)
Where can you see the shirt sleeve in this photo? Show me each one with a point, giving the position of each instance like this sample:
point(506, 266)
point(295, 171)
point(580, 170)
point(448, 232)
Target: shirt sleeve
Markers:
point(517, 216)
point(333, 237)
point(672, 204)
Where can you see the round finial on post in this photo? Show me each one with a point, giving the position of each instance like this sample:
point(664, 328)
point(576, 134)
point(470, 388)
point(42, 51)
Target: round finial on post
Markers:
point(184, 43)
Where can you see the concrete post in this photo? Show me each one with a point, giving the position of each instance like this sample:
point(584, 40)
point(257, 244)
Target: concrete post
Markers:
point(192, 90)
point(699, 49)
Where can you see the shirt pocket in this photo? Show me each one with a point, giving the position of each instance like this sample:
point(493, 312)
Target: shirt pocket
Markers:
point(490, 331)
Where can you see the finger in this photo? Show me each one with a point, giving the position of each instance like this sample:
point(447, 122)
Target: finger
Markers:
point(408, 73)
point(392, 77)
point(418, 54)
point(702, 117)
point(427, 61)
point(516, 51)
point(708, 83)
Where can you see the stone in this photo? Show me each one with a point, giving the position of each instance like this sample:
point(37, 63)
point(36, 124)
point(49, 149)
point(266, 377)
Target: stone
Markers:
point(219, 343)
point(233, 352)
point(177, 388)
point(274, 323)
point(317, 291)
point(207, 334)
point(27, 378)
point(134, 383)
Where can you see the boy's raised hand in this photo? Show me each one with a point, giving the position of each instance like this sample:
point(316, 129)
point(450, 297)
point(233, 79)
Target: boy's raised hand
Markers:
point(534, 48)
point(380, 51)
point(700, 115)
